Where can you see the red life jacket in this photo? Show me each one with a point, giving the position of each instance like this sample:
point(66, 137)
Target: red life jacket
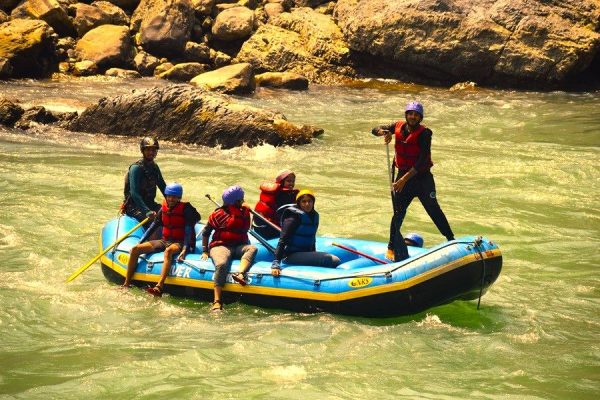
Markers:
point(173, 222)
point(267, 203)
point(407, 149)
point(231, 226)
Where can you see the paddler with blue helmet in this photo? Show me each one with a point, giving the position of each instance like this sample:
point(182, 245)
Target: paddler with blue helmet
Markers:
point(296, 246)
point(177, 219)
point(230, 224)
point(412, 145)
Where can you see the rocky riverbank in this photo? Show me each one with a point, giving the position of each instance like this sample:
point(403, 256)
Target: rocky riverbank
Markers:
point(291, 43)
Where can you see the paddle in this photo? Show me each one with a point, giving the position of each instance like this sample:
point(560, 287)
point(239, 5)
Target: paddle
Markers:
point(250, 231)
point(400, 250)
point(377, 260)
point(106, 250)
point(272, 225)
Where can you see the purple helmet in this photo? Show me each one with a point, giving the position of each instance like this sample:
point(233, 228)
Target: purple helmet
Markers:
point(232, 194)
point(174, 189)
point(415, 106)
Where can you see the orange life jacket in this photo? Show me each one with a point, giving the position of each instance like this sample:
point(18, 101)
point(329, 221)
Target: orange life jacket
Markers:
point(408, 149)
point(231, 226)
point(267, 203)
point(173, 222)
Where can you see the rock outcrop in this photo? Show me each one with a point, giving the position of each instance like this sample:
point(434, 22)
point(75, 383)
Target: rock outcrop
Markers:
point(497, 42)
point(304, 42)
point(187, 114)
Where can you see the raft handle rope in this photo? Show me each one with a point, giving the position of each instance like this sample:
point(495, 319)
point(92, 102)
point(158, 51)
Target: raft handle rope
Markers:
point(477, 244)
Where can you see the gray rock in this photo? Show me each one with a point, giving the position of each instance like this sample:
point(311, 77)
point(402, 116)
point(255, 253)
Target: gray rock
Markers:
point(190, 115)
point(88, 17)
point(10, 112)
point(145, 63)
point(107, 46)
point(304, 42)
point(28, 48)
point(492, 42)
point(232, 79)
point(184, 72)
point(164, 26)
point(35, 115)
point(53, 13)
point(122, 73)
point(233, 24)
point(197, 52)
point(203, 7)
point(284, 80)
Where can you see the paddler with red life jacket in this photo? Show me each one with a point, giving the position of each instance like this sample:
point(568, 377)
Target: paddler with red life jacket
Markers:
point(177, 219)
point(230, 224)
point(296, 246)
point(412, 144)
point(141, 181)
point(273, 195)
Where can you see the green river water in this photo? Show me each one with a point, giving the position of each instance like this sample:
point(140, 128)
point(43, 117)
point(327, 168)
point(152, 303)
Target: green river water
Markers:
point(518, 167)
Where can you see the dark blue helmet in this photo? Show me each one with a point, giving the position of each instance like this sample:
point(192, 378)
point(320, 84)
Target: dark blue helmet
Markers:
point(415, 239)
point(174, 189)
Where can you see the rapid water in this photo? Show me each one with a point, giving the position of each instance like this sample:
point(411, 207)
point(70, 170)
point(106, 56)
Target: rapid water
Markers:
point(518, 167)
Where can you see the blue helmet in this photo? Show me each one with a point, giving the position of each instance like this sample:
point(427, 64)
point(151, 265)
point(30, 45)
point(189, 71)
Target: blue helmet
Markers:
point(415, 106)
point(174, 189)
point(232, 194)
point(415, 238)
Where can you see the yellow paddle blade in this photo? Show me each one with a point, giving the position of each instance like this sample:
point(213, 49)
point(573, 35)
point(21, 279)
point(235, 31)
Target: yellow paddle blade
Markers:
point(116, 242)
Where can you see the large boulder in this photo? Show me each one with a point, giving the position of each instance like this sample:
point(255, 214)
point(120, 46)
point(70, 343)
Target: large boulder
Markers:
point(53, 13)
point(27, 49)
point(233, 24)
point(107, 46)
point(187, 114)
point(88, 17)
point(164, 26)
point(232, 79)
point(504, 42)
point(304, 41)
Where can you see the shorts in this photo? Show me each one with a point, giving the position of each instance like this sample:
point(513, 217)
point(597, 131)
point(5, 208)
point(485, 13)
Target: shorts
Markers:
point(161, 245)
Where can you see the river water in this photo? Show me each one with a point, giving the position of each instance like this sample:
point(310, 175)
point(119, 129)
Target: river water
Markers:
point(518, 167)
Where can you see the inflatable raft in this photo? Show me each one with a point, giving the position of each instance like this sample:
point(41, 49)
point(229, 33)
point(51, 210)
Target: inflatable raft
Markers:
point(461, 269)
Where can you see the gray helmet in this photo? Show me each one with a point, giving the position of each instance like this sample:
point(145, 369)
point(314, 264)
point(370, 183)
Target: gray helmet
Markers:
point(149, 141)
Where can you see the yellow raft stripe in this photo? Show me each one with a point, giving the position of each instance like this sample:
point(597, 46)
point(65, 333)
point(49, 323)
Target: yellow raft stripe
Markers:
point(310, 294)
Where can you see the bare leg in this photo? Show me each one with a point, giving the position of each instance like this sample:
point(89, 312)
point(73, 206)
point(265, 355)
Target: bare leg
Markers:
point(135, 252)
point(170, 251)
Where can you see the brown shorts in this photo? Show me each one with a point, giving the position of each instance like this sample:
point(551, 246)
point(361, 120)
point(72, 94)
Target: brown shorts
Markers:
point(161, 245)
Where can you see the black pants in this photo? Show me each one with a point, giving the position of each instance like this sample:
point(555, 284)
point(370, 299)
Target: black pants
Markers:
point(422, 186)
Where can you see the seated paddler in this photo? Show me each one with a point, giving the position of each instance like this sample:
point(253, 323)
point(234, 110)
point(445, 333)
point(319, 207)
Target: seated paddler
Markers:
point(177, 220)
point(297, 243)
point(273, 195)
point(230, 224)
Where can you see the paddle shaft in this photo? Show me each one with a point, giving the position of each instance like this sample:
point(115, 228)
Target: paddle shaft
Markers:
point(106, 250)
point(377, 260)
point(250, 231)
point(272, 225)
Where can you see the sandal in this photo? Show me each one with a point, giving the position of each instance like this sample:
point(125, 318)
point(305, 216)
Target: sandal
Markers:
point(154, 291)
point(239, 277)
point(216, 306)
